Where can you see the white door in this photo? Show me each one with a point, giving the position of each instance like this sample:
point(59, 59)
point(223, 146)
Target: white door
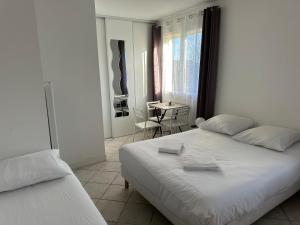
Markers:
point(104, 77)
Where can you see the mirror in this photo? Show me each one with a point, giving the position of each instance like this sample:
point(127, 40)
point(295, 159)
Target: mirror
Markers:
point(119, 83)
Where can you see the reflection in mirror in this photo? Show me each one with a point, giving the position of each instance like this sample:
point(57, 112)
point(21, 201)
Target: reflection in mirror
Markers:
point(119, 83)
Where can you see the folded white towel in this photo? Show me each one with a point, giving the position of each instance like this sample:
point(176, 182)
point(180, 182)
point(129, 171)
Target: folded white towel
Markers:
point(194, 163)
point(171, 147)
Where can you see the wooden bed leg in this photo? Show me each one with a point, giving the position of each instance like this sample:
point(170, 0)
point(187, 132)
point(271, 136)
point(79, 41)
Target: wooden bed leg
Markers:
point(126, 184)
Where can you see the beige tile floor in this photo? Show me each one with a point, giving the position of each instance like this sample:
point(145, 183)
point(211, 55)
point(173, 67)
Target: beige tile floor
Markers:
point(119, 206)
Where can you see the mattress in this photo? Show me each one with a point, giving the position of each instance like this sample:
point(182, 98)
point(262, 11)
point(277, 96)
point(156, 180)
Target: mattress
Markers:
point(62, 202)
point(248, 177)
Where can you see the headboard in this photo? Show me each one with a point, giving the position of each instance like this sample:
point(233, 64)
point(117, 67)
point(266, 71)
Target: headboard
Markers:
point(51, 115)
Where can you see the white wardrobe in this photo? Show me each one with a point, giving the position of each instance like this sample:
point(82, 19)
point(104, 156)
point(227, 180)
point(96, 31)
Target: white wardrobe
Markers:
point(136, 37)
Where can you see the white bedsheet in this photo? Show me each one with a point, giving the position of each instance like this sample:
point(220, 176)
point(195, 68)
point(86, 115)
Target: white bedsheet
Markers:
point(57, 202)
point(248, 176)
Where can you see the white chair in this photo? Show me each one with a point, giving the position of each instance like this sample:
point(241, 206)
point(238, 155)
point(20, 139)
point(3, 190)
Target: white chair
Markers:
point(141, 123)
point(150, 111)
point(179, 119)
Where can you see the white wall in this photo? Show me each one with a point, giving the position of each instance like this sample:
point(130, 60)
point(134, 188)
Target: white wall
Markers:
point(259, 73)
point(142, 38)
point(23, 121)
point(67, 35)
point(104, 79)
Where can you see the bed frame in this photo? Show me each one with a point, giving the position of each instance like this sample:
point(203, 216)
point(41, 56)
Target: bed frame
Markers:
point(247, 219)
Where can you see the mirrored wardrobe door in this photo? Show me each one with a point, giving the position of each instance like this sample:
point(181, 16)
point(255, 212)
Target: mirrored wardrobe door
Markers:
point(121, 75)
point(119, 83)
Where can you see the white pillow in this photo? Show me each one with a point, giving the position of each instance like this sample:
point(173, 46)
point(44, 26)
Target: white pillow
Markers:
point(199, 120)
point(30, 169)
point(227, 124)
point(276, 138)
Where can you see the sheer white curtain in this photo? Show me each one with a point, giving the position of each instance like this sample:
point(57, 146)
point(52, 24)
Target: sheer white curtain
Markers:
point(181, 60)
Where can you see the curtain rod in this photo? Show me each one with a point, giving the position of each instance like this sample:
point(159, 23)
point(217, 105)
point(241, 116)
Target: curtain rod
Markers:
point(202, 11)
point(199, 7)
point(157, 22)
point(126, 18)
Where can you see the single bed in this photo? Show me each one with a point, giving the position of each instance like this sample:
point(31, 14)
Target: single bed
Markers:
point(61, 201)
point(251, 181)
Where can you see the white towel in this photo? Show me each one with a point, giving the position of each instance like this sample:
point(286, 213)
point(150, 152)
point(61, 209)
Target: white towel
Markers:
point(171, 147)
point(194, 163)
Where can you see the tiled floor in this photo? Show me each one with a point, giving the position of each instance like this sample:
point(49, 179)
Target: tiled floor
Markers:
point(119, 206)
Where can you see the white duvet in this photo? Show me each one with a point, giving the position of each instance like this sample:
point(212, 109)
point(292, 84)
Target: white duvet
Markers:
point(248, 176)
point(58, 202)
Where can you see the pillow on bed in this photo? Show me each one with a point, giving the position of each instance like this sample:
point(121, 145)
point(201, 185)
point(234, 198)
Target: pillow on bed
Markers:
point(227, 124)
point(30, 169)
point(276, 138)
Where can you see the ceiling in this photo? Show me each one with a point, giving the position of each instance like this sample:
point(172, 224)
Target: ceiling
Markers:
point(142, 9)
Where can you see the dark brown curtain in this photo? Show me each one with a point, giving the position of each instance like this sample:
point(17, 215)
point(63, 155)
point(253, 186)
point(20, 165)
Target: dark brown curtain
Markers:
point(209, 62)
point(157, 62)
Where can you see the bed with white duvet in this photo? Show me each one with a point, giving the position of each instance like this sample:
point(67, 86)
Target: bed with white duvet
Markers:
point(60, 201)
point(250, 181)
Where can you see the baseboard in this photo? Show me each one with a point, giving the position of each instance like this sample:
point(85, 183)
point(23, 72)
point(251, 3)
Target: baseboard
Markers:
point(87, 162)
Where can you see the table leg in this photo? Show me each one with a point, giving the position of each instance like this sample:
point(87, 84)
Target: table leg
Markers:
point(156, 129)
point(155, 111)
point(126, 184)
point(162, 116)
point(159, 121)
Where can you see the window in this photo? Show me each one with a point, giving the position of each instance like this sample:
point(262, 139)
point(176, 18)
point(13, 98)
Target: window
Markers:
point(181, 60)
